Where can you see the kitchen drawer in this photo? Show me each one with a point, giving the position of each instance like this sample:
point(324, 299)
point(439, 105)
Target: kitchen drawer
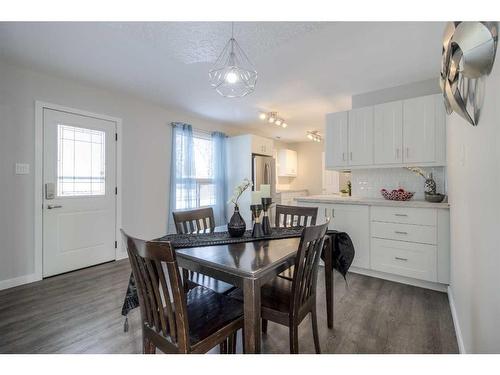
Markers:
point(405, 232)
point(404, 215)
point(408, 259)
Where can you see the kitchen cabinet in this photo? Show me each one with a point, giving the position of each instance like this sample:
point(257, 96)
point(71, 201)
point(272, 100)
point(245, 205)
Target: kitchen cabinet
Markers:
point(360, 136)
point(336, 140)
point(388, 133)
point(423, 119)
point(287, 163)
point(408, 132)
point(262, 146)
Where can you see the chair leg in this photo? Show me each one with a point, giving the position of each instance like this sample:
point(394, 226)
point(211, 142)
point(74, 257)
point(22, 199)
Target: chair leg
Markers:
point(231, 344)
point(223, 347)
point(264, 325)
point(185, 278)
point(294, 339)
point(314, 320)
point(148, 347)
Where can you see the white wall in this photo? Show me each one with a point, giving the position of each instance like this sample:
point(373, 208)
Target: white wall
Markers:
point(309, 167)
point(473, 182)
point(146, 157)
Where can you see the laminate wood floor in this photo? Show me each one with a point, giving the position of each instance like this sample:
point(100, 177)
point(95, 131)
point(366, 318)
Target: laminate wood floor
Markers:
point(79, 312)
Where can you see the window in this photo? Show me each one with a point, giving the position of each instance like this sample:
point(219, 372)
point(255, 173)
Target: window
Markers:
point(197, 190)
point(80, 161)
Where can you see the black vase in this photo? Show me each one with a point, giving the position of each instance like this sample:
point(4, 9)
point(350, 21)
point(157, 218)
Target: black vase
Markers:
point(236, 226)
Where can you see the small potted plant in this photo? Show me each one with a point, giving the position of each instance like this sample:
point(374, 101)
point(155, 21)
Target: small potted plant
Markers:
point(237, 226)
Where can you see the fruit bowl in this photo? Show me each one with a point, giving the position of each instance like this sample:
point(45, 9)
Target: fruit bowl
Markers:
point(397, 195)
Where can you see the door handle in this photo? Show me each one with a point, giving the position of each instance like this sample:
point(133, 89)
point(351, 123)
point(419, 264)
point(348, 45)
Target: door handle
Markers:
point(52, 206)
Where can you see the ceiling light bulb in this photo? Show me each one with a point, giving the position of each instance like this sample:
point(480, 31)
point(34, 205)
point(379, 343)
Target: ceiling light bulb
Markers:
point(272, 119)
point(232, 77)
point(278, 122)
point(284, 125)
point(310, 136)
point(262, 116)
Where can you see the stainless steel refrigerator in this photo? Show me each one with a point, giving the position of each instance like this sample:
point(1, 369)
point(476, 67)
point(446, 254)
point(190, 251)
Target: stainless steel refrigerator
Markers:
point(264, 172)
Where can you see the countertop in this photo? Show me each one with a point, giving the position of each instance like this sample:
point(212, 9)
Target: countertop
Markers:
point(338, 199)
point(290, 191)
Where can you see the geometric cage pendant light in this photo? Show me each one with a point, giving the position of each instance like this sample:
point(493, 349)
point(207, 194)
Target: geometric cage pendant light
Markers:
point(233, 75)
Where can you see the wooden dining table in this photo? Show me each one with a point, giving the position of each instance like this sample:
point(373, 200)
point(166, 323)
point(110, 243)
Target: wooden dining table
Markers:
point(249, 265)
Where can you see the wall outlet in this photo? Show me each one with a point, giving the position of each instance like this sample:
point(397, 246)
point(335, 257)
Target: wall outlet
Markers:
point(22, 168)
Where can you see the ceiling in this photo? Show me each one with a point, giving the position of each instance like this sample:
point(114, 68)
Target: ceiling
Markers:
point(306, 69)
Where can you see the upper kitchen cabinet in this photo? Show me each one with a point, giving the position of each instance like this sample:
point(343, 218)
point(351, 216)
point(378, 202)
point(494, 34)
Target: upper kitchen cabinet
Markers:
point(287, 163)
point(262, 146)
point(424, 134)
point(360, 138)
point(402, 133)
point(336, 140)
point(388, 133)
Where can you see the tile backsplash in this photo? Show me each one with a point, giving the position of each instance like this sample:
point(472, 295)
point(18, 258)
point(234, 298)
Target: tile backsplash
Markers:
point(367, 183)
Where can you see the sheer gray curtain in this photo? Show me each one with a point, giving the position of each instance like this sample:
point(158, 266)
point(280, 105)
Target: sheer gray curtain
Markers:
point(219, 161)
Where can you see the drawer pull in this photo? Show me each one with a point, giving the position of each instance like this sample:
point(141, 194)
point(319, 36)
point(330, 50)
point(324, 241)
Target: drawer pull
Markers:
point(403, 259)
point(399, 232)
point(401, 215)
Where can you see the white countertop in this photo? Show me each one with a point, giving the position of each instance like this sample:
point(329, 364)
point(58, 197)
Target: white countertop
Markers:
point(290, 191)
point(338, 199)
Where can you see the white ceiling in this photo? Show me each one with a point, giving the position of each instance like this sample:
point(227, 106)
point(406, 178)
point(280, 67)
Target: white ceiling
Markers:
point(306, 69)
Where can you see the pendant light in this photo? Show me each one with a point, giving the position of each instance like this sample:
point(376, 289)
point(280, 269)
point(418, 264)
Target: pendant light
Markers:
point(233, 75)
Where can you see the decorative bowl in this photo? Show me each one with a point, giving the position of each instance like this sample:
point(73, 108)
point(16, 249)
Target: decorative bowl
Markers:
point(434, 198)
point(397, 195)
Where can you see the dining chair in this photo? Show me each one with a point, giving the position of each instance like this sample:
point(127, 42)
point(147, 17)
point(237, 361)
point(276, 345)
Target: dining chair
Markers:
point(294, 216)
point(174, 321)
point(288, 302)
point(199, 221)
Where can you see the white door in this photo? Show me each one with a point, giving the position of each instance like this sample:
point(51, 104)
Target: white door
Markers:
point(361, 136)
point(354, 220)
point(419, 129)
point(336, 140)
point(388, 133)
point(79, 202)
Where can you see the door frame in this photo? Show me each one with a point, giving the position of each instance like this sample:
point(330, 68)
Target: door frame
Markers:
point(39, 107)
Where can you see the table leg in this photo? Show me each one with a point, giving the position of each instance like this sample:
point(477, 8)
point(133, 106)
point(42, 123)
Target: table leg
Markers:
point(329, 283)
point(251, 305)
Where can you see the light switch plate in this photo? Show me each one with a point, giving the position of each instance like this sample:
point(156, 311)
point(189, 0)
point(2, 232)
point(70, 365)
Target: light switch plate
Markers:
point(22, 168)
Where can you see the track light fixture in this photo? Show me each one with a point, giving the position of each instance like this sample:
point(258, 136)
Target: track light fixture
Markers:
point(272, 118)
point(314, 136)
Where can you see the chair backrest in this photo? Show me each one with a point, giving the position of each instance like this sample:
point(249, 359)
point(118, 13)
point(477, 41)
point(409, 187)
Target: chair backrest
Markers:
point(295, 216)
point(306, 265)
point(159, 287)
point(199, 220)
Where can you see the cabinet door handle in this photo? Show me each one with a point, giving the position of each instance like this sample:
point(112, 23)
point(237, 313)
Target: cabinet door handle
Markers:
point(401, 215)
point(407, 152)
point(351, 155)
point(333, 213)
point(399, 232)
point(343, 156)
point(403, 259)
point(397, 153)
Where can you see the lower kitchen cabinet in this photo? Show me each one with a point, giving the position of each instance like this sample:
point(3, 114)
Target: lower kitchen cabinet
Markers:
point(402, 258)
point(405, 244)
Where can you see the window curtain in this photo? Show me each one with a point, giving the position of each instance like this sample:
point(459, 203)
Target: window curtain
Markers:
point(182, 171)
point(219, 160)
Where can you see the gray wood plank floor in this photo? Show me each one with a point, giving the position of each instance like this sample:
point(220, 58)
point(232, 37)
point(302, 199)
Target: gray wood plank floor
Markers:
point(79, 312)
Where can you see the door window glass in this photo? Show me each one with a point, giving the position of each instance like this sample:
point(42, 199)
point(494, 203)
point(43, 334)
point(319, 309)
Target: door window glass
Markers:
point(80, 161)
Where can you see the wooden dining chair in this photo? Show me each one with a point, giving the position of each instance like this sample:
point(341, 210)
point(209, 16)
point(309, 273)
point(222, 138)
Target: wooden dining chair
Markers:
point(288, 302)
point(199, 221)
point(294, 216)
point(174, 321)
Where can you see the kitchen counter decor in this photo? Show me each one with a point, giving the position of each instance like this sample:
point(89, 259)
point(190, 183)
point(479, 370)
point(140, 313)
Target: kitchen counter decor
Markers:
point(397, 195)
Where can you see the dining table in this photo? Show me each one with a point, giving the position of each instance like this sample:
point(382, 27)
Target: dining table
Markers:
point(248, 264)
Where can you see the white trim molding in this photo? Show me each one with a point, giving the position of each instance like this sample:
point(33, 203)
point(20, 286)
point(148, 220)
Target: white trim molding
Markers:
point(39, 107)
point(456, 324)
point(20, 280)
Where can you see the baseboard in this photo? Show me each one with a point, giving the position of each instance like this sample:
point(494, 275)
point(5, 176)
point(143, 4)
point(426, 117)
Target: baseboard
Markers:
point(458, 331)
point(400, 279)
point(121, 255)
point(16, 281)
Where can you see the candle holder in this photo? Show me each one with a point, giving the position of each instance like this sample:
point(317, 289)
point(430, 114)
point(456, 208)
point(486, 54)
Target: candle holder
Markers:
point(266, 225)
point(257, 226)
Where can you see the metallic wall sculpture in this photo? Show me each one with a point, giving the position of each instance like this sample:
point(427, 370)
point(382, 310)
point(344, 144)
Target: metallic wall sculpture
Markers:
point(468, 55)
